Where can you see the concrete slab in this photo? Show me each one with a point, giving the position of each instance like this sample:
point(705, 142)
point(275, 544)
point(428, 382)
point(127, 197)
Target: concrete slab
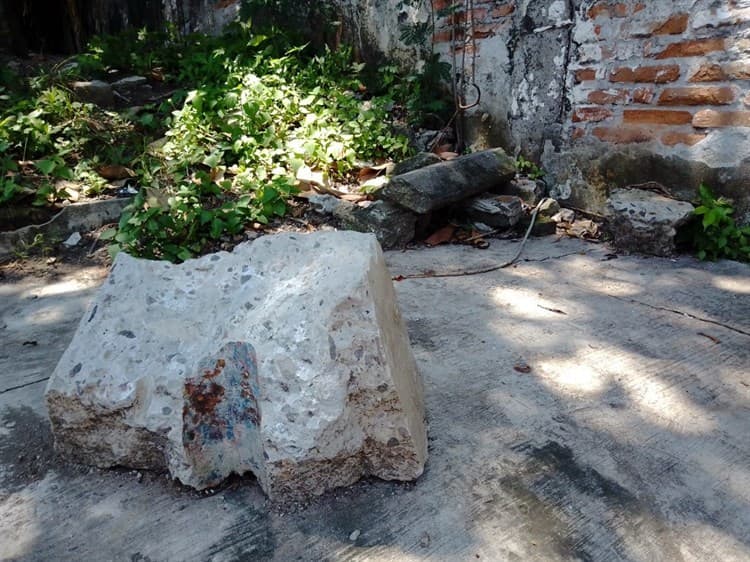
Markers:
point(627, 439)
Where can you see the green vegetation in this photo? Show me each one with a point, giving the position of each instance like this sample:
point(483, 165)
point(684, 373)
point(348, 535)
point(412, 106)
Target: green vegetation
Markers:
point(223, 150)
point(716, 235)
point(529, 168)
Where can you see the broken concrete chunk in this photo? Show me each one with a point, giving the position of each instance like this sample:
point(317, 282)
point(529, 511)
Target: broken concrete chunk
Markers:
point(439, 185)
point(324, 204)
point(549, 208)
point(497, 211)
point(531, 191)
point(287, 358)
point(97, 92)
point(646, 222)
point(564, 215)
point(393, 226)
point(421, 160)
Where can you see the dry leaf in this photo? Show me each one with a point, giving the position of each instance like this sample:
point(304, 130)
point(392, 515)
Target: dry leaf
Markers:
point(354, 197)
point(522, 367)
point(114, 172)
point(441, 236)
point(448, 155)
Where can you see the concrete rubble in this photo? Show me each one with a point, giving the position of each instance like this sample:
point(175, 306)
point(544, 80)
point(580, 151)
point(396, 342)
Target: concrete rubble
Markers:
point(300, 371)
point(392, 225)
point(97, 92)
point(645, 221)
point(496, 211)
point(440, 185)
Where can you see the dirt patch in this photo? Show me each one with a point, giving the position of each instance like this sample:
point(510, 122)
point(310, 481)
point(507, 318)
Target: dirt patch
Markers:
point(26, 453)
point(51, 259)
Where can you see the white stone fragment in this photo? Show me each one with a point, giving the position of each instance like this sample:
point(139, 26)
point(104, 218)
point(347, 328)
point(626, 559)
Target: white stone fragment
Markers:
point(287, 358)
point(72, 240)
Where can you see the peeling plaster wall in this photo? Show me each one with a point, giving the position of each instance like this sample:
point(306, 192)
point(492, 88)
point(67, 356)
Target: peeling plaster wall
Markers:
point(603, 93)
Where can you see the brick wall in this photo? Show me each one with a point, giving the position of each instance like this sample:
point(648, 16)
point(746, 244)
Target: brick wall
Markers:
point(606, 93)
point(646, 74)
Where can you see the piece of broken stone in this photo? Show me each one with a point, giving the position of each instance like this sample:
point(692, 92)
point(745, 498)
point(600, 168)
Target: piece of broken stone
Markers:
point(564, 215)
point(646, 222)
point(421, 160)
point(287, 358)
point(323, 203)
point(97, 92)
point(497, 211)
point(440, 185)
point(543, 226)
point(531, 191)
point(129, 84)
point(393, 226)
point(72, 240)
point(549, 208)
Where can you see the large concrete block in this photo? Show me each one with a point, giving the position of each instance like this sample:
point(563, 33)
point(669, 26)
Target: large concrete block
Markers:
point(287, 358)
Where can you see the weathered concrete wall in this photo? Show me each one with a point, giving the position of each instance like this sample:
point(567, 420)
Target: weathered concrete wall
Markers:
point(603, 93)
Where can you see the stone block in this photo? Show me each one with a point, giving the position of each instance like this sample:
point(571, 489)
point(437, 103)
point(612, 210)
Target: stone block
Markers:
point(393, 226)
point(287, 358)
point(497, 211)
point(97, 92)
point(439, 185)
point(644, 221)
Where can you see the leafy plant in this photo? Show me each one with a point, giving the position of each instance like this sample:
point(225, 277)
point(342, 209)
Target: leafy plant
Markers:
point(716, 235)
point(528, 168)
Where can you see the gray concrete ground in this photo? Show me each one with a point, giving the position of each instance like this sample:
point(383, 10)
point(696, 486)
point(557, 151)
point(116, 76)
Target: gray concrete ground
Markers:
point(629, 438)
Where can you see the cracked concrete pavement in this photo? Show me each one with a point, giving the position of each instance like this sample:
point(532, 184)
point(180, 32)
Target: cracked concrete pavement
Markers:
point(627, 440)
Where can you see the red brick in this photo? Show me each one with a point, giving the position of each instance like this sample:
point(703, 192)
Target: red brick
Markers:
point(484, 31)
point(503, 10)
point(657, 74)
point(672, 138)
point(709, 73)
point(622, 74)
point(584, 74)
point(638, 7)
point(673, 26)
point(622, 135)
point(608, 97)
point(746, 101)
point(577, 133)
point(643, 95)
point(591, 114)
point(653, 74)
point(694, 48)
point(657, 116)
point(711, 118)
point(698, 95)
point(600, 9)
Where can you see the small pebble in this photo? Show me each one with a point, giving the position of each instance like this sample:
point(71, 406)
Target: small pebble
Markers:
point(355, 535)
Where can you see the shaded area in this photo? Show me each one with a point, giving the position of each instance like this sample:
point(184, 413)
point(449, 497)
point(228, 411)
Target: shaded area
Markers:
point(627, 439)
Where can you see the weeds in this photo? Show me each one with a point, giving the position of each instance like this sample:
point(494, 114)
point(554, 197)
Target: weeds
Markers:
point(224, 150)
point(716, 235)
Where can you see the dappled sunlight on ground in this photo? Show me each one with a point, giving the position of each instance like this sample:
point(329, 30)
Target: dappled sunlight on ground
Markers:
point(18, 538)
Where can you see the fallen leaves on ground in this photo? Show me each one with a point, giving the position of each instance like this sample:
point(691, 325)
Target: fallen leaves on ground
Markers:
point(441, 236)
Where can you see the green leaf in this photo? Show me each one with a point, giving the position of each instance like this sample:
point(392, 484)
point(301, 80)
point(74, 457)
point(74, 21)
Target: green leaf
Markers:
point(108, 234)
point(45, 166)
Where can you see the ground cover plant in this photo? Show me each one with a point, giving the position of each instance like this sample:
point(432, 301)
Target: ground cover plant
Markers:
point(249, 110)
point(715, 234)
